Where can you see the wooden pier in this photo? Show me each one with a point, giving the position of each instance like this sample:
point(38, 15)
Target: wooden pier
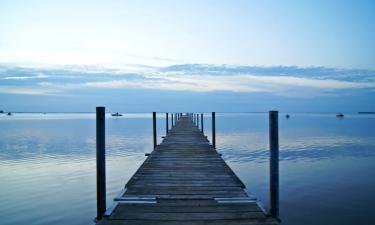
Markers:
point(185, 181)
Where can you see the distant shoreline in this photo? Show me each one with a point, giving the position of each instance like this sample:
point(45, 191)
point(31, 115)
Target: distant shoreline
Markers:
point(366, 112)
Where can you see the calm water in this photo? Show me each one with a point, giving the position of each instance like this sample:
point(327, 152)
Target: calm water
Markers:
point(47, 164)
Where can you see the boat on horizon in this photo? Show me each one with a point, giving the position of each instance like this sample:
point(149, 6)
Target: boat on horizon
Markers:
point(116, 114)
point(339, 115)
point(9, 113)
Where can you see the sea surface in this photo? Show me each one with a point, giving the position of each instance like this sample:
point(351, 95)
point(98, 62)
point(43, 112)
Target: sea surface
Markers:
point(327, 165)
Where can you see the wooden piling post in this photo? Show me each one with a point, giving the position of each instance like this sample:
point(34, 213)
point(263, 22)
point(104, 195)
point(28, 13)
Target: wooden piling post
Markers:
point(100, 163)
point(166, 125)
point(202, 123)
point(172, 120)
point(154, 128)
point(274, 163)
point(213, 130)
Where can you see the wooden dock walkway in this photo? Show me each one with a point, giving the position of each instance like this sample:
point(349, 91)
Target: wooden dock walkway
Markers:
point(185, 181)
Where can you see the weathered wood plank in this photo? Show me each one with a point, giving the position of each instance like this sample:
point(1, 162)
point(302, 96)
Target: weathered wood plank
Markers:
point(134, 215)
point(267, 221)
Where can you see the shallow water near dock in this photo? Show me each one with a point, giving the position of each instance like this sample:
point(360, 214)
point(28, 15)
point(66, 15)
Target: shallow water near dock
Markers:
point(47, 164)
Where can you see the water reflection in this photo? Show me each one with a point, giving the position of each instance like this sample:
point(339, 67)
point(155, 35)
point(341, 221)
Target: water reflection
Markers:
point(49, 160)
point(254, 147)
point(244, 137)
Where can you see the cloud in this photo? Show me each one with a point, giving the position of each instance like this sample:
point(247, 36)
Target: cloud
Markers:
point(286, 86)
point(36, 76)
point(193, 85)
point(24, 91)
point(283, 81)
point(294, 71)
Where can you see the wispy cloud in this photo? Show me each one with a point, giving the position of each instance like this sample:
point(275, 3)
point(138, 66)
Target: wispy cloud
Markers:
point(284, 81)
point(294, 71)
point(36, 76)
point(25, 91)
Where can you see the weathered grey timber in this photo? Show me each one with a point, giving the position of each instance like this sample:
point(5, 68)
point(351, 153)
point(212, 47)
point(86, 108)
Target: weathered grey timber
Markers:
point(185, 181)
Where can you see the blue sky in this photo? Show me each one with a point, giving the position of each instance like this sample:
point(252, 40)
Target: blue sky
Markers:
point(198, 55)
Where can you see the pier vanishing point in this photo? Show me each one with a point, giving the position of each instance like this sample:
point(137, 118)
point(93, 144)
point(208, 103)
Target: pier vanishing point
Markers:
point(183, 181)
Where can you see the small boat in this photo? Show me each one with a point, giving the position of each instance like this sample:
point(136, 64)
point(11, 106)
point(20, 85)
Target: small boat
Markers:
point(287, 116)
point(9, 113)
point(116, 114)
point(339, 115)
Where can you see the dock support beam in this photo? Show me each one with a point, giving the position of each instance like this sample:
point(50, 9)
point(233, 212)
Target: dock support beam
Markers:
point(202, 123)
point(213, 130)
point(166, 125)
point(154, 128)
point(274, 163)
point(100, 162)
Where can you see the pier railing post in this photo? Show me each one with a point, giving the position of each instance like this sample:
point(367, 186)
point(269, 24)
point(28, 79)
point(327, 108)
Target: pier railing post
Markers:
point(166, 125)
point(213, 130)
point(100, 162)
point(154, 128)
point(198, 120)
point(202, 123)
point(274, 163)
point(172, 120)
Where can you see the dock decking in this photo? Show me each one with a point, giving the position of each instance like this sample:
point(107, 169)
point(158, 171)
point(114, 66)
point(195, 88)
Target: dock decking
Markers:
point(185, 181)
